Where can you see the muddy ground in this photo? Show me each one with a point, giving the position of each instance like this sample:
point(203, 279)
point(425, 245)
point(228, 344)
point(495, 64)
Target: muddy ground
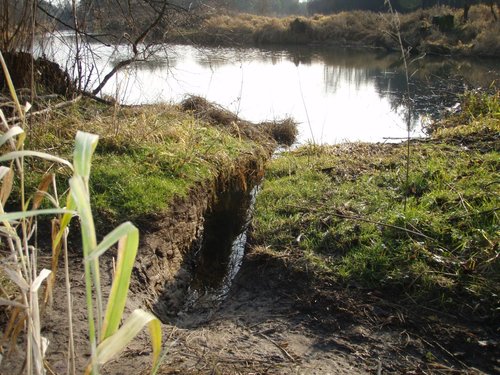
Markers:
point(279, 317)
point(279, 320)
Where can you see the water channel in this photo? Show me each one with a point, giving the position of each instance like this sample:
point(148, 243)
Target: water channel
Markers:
point(336, 94)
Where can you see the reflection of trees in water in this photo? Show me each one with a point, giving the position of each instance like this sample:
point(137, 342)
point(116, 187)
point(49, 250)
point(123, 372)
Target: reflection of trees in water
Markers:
point(435, 83)
point(334, 76)
point(428, 96)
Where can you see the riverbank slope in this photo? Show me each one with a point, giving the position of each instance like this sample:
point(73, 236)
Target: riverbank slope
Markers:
point(340, 276)
point(161, 167)
point(422, 31)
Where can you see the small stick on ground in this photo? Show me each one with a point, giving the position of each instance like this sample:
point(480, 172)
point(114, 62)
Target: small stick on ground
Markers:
point(287, 355)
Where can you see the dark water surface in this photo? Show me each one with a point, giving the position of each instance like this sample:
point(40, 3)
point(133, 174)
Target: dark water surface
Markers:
point(336, 94)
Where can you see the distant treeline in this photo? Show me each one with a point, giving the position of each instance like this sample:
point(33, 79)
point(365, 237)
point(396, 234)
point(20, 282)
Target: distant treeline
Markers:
point(264, 7)
point(333, 6)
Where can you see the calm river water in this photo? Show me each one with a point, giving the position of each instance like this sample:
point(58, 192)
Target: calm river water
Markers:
point(336, 94)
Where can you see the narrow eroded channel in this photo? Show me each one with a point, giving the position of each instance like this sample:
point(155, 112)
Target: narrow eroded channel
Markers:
point(220, 252)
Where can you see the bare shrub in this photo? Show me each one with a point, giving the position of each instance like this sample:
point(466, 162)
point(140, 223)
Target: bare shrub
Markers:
point(487, 42)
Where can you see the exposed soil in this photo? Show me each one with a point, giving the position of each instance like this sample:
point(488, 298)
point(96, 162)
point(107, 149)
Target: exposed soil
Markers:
point(278, 318)
point(48, 75)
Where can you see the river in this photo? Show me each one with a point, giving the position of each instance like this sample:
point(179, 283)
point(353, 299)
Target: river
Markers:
point(335, 94)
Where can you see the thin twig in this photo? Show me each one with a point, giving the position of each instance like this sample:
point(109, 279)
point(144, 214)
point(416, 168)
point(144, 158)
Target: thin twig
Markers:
point(48, 109)
point(277, 345)
point(451, 354)
point(475, 213)
point(357, 218)
point(71, 344)
point(47, 13)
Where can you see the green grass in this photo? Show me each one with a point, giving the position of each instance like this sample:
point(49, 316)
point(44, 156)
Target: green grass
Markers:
point(146, 156)
point(479, 117)
point(341, 208)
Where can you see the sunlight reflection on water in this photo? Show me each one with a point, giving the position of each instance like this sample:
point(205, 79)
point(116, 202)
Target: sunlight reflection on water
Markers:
point(336, 94)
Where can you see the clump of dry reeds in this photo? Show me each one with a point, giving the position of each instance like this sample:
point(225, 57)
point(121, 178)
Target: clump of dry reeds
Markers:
point(477, 36)
point(283, 132)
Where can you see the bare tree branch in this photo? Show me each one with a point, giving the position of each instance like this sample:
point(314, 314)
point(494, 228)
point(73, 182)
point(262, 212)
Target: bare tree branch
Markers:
point(47, 13)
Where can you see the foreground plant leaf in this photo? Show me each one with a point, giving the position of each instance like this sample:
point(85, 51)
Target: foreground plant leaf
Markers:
point(112, 339)
point(11, 86)
point(127, 236)
point(7, 175)
point(114, 344)
point(85, 145)
point(11, 133)
point(19, 154)
point(22, 215)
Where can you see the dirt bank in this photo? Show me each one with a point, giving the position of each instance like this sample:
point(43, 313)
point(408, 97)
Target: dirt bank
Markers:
point(162, 168)
point(294, 307)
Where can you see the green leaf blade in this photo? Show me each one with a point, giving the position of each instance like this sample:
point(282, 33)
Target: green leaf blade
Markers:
point(85, 145)
point(127, 251)
point(114, 344)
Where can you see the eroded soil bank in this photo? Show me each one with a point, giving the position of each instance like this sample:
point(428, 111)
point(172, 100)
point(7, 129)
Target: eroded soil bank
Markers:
point(163, 167)
point(309, 298)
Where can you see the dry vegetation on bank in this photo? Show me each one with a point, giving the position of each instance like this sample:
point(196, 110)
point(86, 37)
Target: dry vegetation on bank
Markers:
point(148, 155)
point(477, 37)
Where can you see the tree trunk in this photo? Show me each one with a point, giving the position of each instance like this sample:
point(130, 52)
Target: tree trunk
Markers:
point(492, 5)
point(466, 10)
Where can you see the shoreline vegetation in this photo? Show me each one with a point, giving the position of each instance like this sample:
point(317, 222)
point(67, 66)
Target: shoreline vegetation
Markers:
point(339, 211)
point(150, 155)
point(422, 31)
point(410, 229)
point(333, 214)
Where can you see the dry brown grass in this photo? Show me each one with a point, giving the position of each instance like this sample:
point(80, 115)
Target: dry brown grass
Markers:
point(283, 132)
point(478, 36)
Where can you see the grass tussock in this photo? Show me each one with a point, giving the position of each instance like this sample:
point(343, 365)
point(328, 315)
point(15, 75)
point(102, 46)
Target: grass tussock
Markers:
point(282, 132)
point(478, 119)
point(146, 155)
point(340, 210)
point(476, 37)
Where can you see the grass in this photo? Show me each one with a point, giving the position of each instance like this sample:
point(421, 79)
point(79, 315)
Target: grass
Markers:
point(477, 37)
point(340, 210)
point(479, 117)
point(146, 156)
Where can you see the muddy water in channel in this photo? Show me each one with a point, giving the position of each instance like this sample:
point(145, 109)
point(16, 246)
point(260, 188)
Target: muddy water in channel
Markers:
point(218, 258)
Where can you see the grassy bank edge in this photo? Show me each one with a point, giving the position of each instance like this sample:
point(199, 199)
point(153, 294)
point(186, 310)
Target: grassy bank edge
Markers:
point(148, 156)
point(339, 211)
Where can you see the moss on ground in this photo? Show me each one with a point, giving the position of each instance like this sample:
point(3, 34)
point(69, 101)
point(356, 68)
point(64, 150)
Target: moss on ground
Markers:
point(340, 210)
